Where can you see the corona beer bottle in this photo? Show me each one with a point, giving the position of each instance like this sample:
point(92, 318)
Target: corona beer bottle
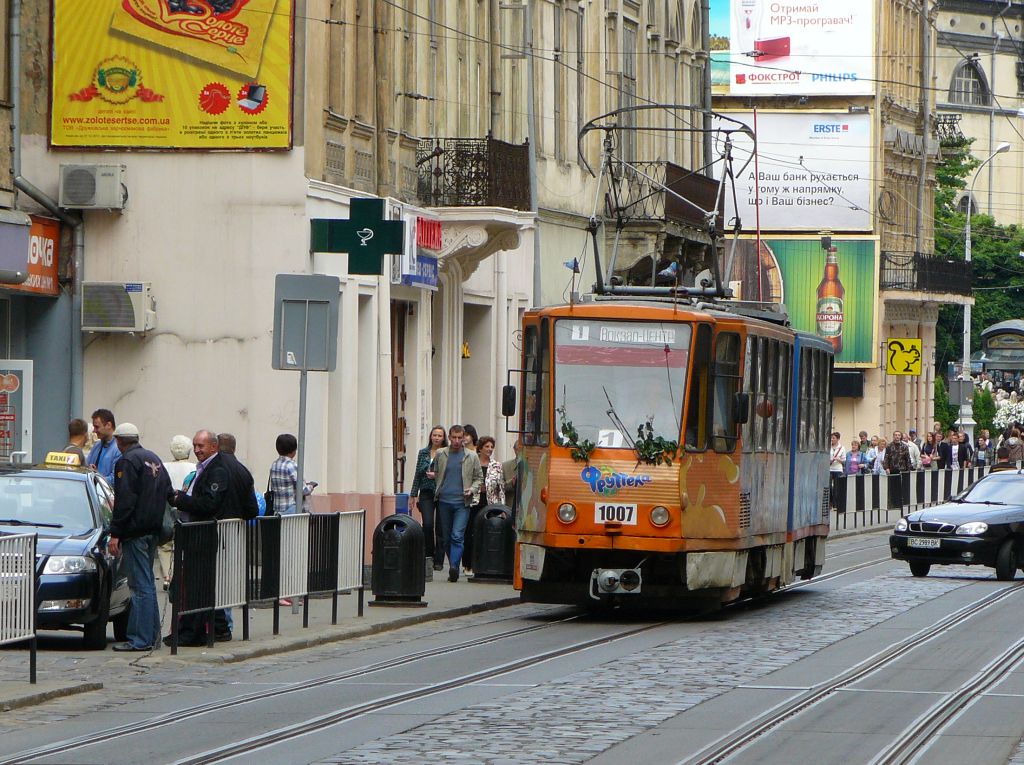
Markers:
point(829, 314)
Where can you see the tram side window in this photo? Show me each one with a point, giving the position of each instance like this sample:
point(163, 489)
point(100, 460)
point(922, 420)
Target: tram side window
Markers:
point(727, 383)
point(804, 402)
point(771, 396)
point(698, 410)
point(824, 398)
point(813, 413)
point(535, 377)
point(750, 387)
point(782, 411)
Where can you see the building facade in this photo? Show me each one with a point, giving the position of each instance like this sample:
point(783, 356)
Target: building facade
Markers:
point(224, 156)
point(851, 125)
point(979, 86)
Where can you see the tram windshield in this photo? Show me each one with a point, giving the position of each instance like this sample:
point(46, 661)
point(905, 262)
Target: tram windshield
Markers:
point(611, 377)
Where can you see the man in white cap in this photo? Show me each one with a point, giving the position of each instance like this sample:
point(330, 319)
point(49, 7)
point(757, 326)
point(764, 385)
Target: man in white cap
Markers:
point(141, 488)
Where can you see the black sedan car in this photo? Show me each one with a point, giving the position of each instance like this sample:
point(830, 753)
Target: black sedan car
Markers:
point(80, 585)
point(983, 526)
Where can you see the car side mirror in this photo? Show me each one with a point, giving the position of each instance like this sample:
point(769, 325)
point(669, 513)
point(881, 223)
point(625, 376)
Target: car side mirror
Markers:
point(741, 408)
point(508, 400)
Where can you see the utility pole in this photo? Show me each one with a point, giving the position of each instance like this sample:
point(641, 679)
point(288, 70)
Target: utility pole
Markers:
point(926, 76)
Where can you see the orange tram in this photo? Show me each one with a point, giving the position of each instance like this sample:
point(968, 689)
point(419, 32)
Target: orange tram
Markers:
point(671, 453)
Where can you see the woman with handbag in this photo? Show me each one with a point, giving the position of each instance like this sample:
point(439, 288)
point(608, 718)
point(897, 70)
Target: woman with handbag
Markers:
point(928, 455)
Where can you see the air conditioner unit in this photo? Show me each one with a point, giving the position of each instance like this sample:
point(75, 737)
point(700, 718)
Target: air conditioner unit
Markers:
point(91, 187)
point(117, 307)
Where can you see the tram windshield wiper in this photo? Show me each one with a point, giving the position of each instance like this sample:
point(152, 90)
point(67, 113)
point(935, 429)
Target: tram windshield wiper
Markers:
point(17, 522)
point(617, 422)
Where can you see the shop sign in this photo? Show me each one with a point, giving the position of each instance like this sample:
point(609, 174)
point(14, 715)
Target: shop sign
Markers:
point(415, 267)
point(43, 258)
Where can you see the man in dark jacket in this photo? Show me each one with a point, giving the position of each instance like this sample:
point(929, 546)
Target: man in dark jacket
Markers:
point(243, 500)
point(141, 488)
point(208, 497)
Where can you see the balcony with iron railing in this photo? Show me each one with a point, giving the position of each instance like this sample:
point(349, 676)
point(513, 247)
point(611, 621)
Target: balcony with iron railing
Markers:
point(917, 272)
point(648, 191)
point(473, 172)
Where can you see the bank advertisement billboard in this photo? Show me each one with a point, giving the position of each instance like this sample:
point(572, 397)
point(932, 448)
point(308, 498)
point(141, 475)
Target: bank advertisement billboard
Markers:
point(812, 173)
point(172, 74)
point(789, 47)
point(831, 292)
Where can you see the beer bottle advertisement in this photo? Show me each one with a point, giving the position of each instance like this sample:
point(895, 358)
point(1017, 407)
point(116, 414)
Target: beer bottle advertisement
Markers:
point(829, 313)
point(833, 295)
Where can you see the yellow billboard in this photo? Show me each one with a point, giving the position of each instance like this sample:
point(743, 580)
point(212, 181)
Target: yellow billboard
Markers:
point(172, 74)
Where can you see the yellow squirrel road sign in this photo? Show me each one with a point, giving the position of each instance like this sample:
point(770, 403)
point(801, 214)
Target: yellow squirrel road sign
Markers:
point(903, 356)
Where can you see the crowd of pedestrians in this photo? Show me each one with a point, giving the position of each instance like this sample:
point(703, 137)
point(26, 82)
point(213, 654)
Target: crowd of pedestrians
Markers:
point(215, 486)
point(938, 450)
point(456, 477)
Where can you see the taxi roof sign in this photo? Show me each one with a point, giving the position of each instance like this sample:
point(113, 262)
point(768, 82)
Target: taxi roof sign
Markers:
point(67, 459)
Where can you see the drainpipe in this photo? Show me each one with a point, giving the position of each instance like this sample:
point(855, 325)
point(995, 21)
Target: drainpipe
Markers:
point(50, 204)
point(494, 67)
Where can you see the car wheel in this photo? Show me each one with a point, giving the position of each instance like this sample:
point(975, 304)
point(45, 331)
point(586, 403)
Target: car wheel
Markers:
point(121, 624)
point(94, 637)
point(920, 568)
point(1006, 561)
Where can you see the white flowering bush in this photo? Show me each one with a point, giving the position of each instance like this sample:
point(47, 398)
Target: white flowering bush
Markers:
point(1007, 413)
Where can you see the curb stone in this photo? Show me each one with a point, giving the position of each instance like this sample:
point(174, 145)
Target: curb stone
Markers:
point(34, 697)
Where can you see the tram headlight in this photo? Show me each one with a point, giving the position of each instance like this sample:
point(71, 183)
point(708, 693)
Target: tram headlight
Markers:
point(566, 512)
point(902, 525)
point(660, 516)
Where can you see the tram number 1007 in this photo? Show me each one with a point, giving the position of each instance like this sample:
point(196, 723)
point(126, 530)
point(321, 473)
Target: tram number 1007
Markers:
point(612, 513)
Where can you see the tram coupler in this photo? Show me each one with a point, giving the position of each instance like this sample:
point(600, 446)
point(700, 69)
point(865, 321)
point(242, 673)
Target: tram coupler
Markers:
point(615, 581)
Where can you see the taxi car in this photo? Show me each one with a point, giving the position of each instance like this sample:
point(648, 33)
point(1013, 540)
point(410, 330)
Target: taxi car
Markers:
point(81, 586)
point(982, 526)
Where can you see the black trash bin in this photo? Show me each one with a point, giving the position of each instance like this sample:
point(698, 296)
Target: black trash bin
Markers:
point(494, 541)
point(397, 575)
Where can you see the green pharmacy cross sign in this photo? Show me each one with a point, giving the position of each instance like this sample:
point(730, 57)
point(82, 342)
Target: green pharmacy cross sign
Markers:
point(366, 236)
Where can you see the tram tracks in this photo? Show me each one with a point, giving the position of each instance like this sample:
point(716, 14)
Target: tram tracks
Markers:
point(916, 738)
point(339, 716)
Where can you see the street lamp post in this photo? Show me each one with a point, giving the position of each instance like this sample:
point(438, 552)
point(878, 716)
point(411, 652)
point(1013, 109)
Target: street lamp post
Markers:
point(967, 422)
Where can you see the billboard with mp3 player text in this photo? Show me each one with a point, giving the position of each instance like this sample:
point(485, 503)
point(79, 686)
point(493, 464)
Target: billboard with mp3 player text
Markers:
point(789, 47)
point(812, 172)
point(172, 74)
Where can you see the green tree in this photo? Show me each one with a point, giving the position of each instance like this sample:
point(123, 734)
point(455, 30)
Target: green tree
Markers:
point(998, 280)
point(984, 410)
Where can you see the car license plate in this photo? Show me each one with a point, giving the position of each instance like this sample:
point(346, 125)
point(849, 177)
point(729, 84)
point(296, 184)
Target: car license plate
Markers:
point(615, 513)
point(930, 544)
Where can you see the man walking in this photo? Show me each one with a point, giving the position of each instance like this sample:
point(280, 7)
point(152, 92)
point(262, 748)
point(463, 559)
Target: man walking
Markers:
point(141, 488)
point(105, 453)
point(459, 478)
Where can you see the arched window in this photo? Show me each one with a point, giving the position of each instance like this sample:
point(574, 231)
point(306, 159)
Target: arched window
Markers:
point(969, 86)
point(966, 202)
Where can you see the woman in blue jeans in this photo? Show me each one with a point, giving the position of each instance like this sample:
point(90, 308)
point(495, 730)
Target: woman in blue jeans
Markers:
point(422, 495)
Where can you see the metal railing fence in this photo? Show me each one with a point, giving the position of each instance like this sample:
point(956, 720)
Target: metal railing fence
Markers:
point(231, 563)
point(18, 585)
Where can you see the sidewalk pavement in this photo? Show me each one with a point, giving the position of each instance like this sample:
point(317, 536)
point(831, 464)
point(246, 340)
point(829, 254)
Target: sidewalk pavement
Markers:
point(59, 657)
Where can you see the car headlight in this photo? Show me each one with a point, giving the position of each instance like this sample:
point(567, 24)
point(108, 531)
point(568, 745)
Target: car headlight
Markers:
point(566, 512)
point(69, 564)
point(902, 524)
point(973, 528)
point(660, 516)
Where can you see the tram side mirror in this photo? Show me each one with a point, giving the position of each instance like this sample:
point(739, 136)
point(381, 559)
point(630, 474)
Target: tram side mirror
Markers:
point(508, 400)
point(741, 408)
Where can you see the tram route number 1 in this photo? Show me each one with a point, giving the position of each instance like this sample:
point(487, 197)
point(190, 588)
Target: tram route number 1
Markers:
point(615, 513)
